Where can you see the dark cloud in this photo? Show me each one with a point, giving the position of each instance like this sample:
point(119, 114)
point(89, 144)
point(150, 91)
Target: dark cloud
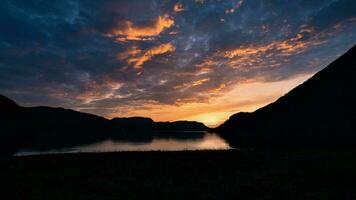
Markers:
point(106, 56)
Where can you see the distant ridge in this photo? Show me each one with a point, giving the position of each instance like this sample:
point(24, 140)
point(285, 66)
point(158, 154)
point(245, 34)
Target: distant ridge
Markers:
point(142, 123)
point(320, 111)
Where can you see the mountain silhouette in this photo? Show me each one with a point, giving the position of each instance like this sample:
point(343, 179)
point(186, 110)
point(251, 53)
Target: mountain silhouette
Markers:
point(48, 128)
point(8, 105)
point(147, 124)
point(319, 112)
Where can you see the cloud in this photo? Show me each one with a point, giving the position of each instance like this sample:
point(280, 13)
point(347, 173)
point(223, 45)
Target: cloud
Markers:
point(126, 57)
point(129, 31)
point(234, 8)
point(252, 57)
point(218, 89)
point(178, 7)
point(199, 82)
point(185, 86)
point(98, 89)
point(284, 47)
point(136, 57)
point(131, 51)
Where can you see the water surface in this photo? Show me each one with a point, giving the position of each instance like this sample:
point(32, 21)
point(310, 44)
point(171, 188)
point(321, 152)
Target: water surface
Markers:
point(208, 141)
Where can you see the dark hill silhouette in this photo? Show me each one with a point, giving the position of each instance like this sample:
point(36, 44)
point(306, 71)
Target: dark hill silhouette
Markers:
point(320, 111)
point(180, 126)
point(141, 129)
point(48, 128)
point(10, 116)
point(8, 105)
point(134, 123)
point(147, 124)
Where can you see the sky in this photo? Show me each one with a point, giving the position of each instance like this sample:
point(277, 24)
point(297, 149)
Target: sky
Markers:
point(198, 60)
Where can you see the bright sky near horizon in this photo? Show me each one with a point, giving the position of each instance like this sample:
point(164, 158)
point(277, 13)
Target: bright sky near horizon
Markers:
point(198, 60)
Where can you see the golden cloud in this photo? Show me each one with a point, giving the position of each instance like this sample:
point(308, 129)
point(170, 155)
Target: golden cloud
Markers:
point(129, 31)
point(252, 56)
point(137, 57)
point(218, 89)
point(199, 82)
point(131, 51)
point(257, 56)
point(185, 86)
point(292, 45)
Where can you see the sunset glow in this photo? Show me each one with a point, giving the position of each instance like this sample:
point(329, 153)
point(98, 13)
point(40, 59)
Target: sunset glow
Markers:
point(216, 110)
point(168, 60)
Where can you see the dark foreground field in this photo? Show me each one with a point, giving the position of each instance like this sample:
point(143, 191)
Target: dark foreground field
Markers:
point(318, 174)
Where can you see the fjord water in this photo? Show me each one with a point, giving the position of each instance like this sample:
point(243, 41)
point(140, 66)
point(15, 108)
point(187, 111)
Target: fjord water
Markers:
point(207, 141)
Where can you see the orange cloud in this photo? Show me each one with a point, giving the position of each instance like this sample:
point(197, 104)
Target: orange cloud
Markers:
point(129, 31)
point(246, 51)
point(199, 82)
point(206, 66)
point(131, 51)
point(292, 45)
point(273, 54)
point(136, 57)
point(178, 7)
point(218, 89)
point(192, 84)
point(254, 56)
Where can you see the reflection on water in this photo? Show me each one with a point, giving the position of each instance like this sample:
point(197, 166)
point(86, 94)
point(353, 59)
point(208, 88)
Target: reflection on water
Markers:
point(208, 141)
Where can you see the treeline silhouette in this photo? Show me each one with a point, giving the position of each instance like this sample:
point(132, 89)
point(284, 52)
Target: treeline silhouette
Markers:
point(319, 112)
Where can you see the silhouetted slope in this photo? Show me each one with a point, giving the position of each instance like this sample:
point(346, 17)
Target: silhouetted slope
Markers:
point(11, 115)
point(57, 127)
point(45, 127)
point(48, 128)
point(7, 105)
point(317, 112)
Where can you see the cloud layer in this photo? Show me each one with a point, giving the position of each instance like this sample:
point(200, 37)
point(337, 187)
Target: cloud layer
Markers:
point(123, 58)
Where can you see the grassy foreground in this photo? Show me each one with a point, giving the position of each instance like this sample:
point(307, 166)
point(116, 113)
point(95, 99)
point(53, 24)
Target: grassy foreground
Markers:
point(258, 174)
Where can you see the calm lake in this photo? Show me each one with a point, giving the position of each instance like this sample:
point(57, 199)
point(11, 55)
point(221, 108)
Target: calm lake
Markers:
point(207, 141)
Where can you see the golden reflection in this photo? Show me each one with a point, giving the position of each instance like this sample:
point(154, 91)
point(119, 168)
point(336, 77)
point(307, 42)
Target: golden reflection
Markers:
point(209, 141)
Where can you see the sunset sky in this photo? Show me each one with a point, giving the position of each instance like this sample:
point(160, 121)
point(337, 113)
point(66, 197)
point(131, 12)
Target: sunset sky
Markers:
point(169, 60)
